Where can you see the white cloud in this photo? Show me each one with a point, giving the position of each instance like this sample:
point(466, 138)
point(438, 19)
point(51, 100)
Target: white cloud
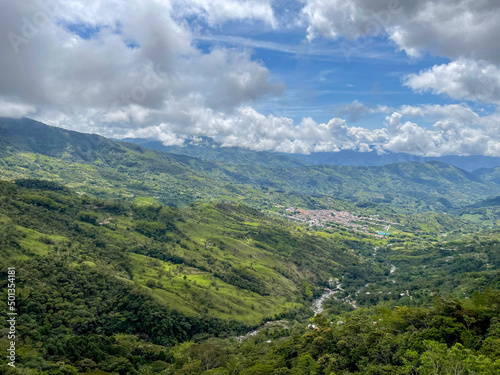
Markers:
point(104, 79)
point(460, 79)
point(409, 137)
point(15, 110)
point(454, 28)
point(138, 73)
point(464, 31)
point(248, 128)
point(457, 130)
point(219, 11)
point(357, 110)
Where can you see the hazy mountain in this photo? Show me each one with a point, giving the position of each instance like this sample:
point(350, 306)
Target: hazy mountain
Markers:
point(349, 157)
point(488, 174)
point(207, 148)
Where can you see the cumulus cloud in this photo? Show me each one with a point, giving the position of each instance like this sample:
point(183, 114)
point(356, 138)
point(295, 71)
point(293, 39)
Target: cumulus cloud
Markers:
point(460, 112)
point(131, 68)
point(130, 61)
point(409, 137)
point(357, 110)
point(455, 28)
point(461, 79)
point(218, 11)
point(456, 130)
point(464, 31)
point(248, 128)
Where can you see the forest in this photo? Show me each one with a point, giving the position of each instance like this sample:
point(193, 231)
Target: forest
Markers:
point(111, 287)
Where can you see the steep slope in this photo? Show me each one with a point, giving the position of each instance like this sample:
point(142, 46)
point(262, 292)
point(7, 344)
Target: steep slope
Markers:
point(102, 167)
point(224, 261)
point(106, 282)
point(488, 174)
point(486, 212)
point(408, 186)
point(106, 287)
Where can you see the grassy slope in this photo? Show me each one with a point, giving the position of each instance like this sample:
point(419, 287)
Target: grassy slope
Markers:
point(224, 261)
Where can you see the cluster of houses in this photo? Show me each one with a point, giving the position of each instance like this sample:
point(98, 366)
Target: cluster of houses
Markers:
point(321, 218)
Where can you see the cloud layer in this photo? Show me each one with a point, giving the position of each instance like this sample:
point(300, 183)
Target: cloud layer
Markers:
point(466, 32)
point(130, 61)
point(462, 79)
point(134, 68)
point(456, 129)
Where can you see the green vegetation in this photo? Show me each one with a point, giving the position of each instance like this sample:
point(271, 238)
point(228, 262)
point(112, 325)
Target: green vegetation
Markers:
point(109, 169)
point(452, 337)
point(96, 268)
point(131, 261)
point(118, 287)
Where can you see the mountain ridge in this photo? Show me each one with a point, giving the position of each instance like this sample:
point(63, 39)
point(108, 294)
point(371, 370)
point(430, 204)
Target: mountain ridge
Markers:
point(103, 166)
point(207, 148)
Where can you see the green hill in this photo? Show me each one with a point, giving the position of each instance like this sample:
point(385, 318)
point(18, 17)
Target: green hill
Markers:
point(89, 269)
point(488, 174)
point(134, 261)
point(111, 286)
point(227, 252)
point(486, 212)
point(106, 168)
point(409, 187)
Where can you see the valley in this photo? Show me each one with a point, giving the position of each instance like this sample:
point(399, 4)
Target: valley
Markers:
point(136, 261)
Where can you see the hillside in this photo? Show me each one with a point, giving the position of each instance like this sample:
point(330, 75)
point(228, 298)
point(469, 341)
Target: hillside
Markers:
point(206, 269)
point(407, 187)
point(486, 212)
point(123, 284)
point(488, 174)
point(97, 165)
point(122, 287)
point(236, 252)
point(106, 168)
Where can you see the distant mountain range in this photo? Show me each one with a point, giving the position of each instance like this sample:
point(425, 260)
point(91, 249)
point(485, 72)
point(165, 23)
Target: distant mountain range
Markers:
point(107, 168)
point(349, 157)
point(206, 148)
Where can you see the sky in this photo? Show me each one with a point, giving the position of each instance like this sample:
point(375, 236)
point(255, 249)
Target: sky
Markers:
point(296, 76)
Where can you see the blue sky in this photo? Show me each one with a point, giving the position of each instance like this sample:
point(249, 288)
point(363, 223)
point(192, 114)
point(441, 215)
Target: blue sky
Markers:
point(323, 76)
point(293, 76)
